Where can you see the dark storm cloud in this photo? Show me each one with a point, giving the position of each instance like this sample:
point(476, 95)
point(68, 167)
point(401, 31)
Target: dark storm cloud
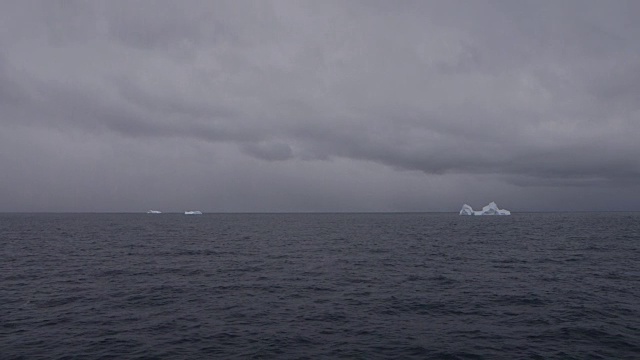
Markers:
point(532, 93)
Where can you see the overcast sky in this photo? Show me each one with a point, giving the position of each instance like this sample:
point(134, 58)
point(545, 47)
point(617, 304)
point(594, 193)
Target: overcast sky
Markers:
point(319, 105)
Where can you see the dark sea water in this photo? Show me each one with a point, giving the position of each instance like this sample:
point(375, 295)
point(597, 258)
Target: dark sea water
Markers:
point(296, 286)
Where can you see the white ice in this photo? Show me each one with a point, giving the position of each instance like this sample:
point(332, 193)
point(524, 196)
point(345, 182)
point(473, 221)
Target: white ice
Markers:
point(466, 210)
point(193, 212)
point(154, 212)
point(491, 209)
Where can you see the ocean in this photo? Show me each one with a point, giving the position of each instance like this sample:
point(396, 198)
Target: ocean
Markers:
point(314, 286)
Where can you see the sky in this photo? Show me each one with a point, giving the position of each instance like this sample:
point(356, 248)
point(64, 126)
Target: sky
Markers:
point(287, 106)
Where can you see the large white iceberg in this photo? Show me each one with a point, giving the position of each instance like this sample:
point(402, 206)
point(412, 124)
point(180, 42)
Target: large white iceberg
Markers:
point(154, 212)
point(491, 209)
point(193, 212)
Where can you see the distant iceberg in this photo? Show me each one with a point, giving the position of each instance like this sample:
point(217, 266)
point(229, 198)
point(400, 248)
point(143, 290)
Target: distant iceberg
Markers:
point(467, 210)
point(154, 212)
point(193, 212)
point(491, 209)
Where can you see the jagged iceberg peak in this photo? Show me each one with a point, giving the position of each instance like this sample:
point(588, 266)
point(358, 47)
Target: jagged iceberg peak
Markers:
point(491, 209)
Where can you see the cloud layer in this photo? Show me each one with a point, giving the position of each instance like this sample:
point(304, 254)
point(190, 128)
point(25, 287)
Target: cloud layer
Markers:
point(329, 105)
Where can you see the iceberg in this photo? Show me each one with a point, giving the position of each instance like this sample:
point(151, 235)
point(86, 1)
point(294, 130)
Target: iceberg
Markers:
point(467, 210)
point(154, 212)
point(193, 212)
point(491, 209)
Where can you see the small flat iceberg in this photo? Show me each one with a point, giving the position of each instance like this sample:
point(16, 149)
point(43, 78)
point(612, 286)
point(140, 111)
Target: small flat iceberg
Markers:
point(491, 209)
point(196, 212)
point(154, 212)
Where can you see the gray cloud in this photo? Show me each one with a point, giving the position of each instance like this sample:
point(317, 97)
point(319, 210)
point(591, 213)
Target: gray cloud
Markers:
point(269, 151)
point(531, 95)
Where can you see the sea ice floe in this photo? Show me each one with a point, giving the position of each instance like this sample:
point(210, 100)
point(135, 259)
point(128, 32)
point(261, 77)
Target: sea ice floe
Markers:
point(196, 212)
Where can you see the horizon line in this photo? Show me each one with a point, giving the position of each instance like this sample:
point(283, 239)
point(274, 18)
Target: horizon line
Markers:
point(305, 212)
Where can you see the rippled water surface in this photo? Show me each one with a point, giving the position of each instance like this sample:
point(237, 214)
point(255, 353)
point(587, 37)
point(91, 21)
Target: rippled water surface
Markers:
point(122, 286)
